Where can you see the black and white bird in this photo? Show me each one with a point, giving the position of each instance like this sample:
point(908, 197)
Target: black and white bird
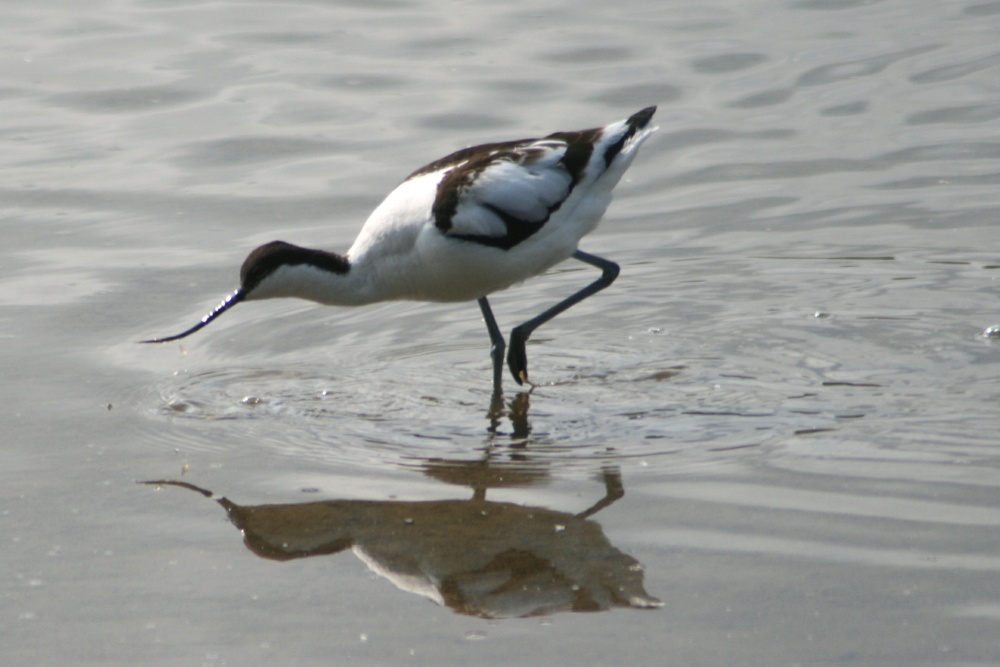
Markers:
point(470, 224)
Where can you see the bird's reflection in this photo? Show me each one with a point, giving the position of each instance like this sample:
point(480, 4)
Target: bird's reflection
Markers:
point(478, 557)
point(516, 411)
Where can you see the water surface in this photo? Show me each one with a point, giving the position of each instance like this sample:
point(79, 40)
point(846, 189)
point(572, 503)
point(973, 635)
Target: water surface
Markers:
point(780, 422)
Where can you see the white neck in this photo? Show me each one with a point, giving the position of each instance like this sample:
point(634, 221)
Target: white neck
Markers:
point(305, 281)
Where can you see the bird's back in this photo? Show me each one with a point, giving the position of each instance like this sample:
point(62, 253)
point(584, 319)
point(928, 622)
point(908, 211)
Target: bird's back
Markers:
point(486, 217)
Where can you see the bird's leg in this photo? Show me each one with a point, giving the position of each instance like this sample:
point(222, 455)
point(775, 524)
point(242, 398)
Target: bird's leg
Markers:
point(517, 357)
point(496, 338)
point(613, 490)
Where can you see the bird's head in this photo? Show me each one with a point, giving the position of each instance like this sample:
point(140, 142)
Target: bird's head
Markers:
point(270, 271)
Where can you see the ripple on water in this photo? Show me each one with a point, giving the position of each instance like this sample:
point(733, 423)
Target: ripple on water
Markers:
point(640, 414)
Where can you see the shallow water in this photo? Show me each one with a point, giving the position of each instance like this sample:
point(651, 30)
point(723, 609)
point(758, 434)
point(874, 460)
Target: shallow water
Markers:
point(780, 421)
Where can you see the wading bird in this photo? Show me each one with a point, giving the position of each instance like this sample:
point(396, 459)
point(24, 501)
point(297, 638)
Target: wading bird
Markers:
point(470, 224)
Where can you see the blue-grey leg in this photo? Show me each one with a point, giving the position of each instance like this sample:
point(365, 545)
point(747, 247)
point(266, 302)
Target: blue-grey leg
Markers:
point(517, 357)
point(496, 338)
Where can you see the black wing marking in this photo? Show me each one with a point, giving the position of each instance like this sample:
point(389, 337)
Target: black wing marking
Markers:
point(501, 194)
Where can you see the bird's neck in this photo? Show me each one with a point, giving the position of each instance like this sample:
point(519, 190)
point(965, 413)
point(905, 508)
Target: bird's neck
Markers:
point(333, 285)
